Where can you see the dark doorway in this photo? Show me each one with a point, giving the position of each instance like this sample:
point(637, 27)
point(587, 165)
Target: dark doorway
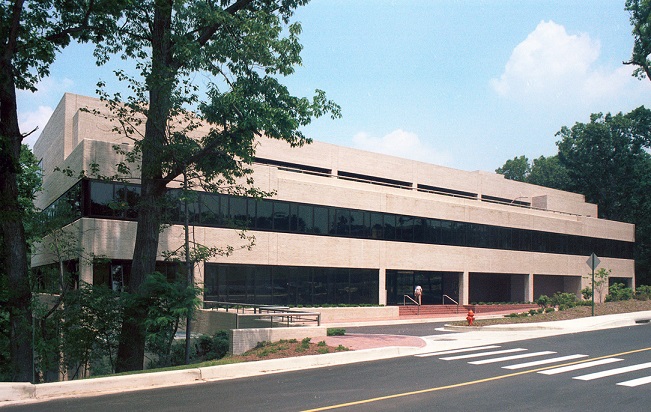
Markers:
point(435, 285)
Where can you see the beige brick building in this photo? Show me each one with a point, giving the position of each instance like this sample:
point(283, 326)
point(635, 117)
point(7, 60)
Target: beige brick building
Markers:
point(344, 226)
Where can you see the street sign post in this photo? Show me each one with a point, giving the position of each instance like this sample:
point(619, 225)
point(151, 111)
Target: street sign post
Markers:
point(593, 261)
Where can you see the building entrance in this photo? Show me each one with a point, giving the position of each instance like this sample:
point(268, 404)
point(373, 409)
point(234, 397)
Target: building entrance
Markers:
point(434, 284)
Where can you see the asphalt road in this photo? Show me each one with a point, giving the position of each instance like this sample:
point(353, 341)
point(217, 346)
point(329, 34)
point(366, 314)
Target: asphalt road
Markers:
point(408, 329)
point(473, 380)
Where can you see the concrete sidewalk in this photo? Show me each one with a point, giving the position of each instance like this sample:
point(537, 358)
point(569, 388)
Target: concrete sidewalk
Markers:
point(366, 348)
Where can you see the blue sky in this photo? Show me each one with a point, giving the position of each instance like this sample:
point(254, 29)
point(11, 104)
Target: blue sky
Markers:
point(464, 84)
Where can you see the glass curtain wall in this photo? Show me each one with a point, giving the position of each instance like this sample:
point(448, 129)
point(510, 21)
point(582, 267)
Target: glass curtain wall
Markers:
point(290, 285)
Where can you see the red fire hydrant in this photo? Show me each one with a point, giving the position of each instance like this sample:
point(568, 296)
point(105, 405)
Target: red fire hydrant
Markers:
point(471, 317)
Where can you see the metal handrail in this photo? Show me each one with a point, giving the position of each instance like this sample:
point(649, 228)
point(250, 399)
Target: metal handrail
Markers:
point(446, 296)
point(404, 302)
point(266, 311)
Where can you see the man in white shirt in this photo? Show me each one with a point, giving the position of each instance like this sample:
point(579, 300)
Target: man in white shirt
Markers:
point(418, 293)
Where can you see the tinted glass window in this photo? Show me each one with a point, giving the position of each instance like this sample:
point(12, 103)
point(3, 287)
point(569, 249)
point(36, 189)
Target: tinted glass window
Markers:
point(320, 220)
point(377, 225)
point(281, 216)
point(304, 219)
point(210, 209)
point(101, 199)
point(359, 224)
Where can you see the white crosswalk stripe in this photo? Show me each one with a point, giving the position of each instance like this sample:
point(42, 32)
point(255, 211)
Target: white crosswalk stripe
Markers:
point(512, 357)
point(478, 355)
point(578, 366)
point(636, 382)
point(544, 361)
point(612, 372)
point(452, 351)
point(490, 357)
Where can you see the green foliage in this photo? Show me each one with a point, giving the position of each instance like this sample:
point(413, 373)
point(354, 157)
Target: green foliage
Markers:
point(639, 11)
point(643, 292)
point(548, 172)
point(563, 300)
point(543, 301)
point(336, 332)
point(245, 49)
point(215, 347)
point(305, 343)
point(77, 334)
point(586, 292)
point(601, 276)
point(618, 292)
point(166, 304)
point(515, 169)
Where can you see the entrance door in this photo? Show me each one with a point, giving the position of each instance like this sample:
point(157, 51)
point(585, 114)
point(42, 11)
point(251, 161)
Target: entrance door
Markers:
point(403, 282)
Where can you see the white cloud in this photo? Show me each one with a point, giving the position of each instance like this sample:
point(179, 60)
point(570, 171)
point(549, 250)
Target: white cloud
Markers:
point(35, 108)
point(34, 121)
point(402, 144)
point(553, 66)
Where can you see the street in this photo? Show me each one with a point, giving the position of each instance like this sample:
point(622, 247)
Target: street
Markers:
point(603, 370)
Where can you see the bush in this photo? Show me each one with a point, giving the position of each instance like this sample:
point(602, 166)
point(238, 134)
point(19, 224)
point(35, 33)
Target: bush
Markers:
point(543, 301)
point(587, 293)
point(643, 292)
point(564, 300)
point(336, 332)
point(618, 292)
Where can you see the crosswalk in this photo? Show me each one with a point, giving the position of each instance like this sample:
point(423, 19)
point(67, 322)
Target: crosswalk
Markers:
point(578, 365)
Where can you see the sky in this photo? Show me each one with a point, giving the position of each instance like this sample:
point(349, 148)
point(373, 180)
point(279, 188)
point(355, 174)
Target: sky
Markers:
point(463, 84)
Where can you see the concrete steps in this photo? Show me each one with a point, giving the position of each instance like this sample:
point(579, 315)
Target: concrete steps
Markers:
point(451, 310)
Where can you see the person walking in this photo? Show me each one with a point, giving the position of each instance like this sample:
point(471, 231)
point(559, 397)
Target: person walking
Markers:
point(418, 293)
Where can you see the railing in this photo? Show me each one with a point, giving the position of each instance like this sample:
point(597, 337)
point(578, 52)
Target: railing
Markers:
point(457, 303)
point(404, 302)
point(279, 315)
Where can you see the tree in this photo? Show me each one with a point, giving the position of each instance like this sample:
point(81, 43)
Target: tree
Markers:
point(640, 17)
point(606, 161)
point(548, 172)
point(243, 47)
point(31, 33)
point(515, 169)
point(28, 184)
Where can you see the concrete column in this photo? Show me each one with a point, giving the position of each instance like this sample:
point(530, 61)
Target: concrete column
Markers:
point(382, 289)
point(528, 289)
point(464, 287)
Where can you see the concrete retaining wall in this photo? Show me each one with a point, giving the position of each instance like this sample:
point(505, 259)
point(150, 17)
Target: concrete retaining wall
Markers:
point(242, 340)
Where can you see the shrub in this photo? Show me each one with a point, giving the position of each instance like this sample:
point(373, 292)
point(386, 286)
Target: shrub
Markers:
point(532, 312)
point(618, 292)
point(587, 293)
point(643, 292)
point(336, 332)
point(567, 300)
point(305, 343)
point(543, 301)
point(547, 310)
point(341, 348)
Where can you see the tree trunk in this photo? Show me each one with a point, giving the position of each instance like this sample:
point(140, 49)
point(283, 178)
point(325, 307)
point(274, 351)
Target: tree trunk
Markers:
point(150, 209)
point(14, 253)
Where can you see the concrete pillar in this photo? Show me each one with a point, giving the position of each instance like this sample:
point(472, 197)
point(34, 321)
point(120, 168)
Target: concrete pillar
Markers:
point(464, 287)
point(382, 289)
point(528, 291)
